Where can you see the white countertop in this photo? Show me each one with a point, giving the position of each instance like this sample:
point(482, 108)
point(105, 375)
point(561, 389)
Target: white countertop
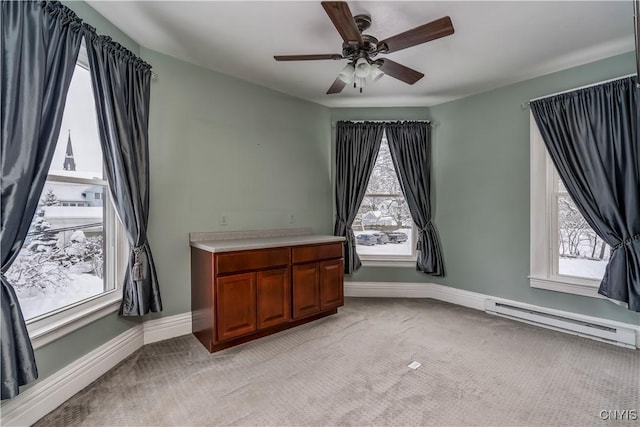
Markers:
point(216, 246)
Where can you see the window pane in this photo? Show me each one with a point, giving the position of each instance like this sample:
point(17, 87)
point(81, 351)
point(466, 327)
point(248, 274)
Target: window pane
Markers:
point(62, 259)
point(581, 252)
point(561, 187)
point(78, 152)
point(383, 225)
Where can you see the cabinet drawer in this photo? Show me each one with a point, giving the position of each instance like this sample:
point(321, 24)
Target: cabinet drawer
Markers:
point(317, 252)
point(251, 260)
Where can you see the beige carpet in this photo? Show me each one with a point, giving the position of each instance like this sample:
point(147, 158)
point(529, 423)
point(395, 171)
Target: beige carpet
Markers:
point(351, 369)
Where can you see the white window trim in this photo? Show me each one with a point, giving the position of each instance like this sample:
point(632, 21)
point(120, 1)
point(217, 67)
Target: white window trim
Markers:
point(53, 325)
point(369, 260)
point(543, 226)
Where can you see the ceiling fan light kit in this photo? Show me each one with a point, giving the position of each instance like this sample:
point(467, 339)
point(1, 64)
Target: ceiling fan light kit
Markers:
point(347, 74)
point(360, 48)
point(363, 68)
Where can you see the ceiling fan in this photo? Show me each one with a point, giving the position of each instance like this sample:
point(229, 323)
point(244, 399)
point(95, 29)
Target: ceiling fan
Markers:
point(360, 49)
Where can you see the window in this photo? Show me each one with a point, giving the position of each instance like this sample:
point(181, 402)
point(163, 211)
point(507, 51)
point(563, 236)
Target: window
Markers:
point(566, 254)
point(383, 226)
point(67, 266)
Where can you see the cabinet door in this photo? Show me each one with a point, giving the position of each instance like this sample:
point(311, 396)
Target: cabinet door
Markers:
point(331, 284)
point(235, 305)
point(306, 289)
point(274, 297)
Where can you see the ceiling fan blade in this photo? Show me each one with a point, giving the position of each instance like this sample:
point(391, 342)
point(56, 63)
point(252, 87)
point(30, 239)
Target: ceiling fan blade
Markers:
point(307, 57)
point(400, 72)
point(336, 87)
point(340, 15)
point(424, 33)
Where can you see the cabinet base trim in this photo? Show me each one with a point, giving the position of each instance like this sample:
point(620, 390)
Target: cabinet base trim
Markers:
point(265, 332)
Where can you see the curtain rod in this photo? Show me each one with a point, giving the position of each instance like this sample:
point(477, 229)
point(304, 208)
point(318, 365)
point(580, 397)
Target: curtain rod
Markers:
point(524, 105)
point(636, 30)
point(429, 122)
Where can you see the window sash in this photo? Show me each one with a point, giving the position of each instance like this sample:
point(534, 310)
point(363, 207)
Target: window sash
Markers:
point(110, 236)
point(381, 259)
point(55, 324)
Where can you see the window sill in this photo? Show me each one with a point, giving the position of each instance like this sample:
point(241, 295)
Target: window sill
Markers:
point(388, 262)
point(42, 333)
point(576, 288)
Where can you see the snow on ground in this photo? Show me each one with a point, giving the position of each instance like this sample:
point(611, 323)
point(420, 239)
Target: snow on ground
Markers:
point(81, 286)
point(582, 267)
point(403, 248)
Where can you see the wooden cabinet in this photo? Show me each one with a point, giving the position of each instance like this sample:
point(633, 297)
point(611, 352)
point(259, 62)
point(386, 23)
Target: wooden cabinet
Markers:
point(274, 297)
point(332, 279)
point(238, 296)
point(236, 305)
point(318, 276)
point(306, 290)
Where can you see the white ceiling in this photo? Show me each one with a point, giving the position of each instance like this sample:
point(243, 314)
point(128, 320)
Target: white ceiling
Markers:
point(494, 44)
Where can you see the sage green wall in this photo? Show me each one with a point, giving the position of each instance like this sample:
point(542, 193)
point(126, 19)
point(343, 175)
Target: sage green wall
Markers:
point(481, 191)
point(222, 146)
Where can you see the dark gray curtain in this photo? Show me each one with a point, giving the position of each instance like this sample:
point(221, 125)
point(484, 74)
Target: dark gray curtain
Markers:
point(410, 146)
point(121, 86)
point(40, 44)
point(357, 146)
point(592, 138)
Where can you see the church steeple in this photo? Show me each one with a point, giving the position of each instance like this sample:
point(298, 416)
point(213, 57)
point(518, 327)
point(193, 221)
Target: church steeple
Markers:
point(69, 163)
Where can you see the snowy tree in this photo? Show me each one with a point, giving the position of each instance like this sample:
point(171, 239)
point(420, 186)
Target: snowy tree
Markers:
point(44, 239)
point(50, 199)
point(577, 238)
point(84, 254)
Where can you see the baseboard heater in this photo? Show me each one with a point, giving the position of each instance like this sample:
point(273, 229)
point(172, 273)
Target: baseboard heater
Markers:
point(564, 322)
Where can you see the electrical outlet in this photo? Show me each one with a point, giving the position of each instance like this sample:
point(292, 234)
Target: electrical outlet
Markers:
point(223, 220)
point(292, 219)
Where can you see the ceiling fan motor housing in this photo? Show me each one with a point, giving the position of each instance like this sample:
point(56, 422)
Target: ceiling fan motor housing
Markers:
point(362, 21)
point(369, 46)
point(353, 50)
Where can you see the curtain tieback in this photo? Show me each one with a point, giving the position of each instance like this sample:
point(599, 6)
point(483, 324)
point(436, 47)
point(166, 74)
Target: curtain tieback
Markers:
point(422, 234)
point(625, 242)
point(137, 272)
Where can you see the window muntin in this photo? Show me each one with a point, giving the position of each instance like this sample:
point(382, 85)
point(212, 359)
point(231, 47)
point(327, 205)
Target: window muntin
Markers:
point(383, 226)
point(69, 256)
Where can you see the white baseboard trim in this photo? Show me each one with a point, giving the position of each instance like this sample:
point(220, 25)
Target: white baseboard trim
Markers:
point(415, 290)
point(46, 395)
point(456, 296)
point(165, 328)
point(387, 290)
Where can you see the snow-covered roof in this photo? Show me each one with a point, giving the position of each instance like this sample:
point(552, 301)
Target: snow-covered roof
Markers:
point(52, 212)
point(76, 174)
